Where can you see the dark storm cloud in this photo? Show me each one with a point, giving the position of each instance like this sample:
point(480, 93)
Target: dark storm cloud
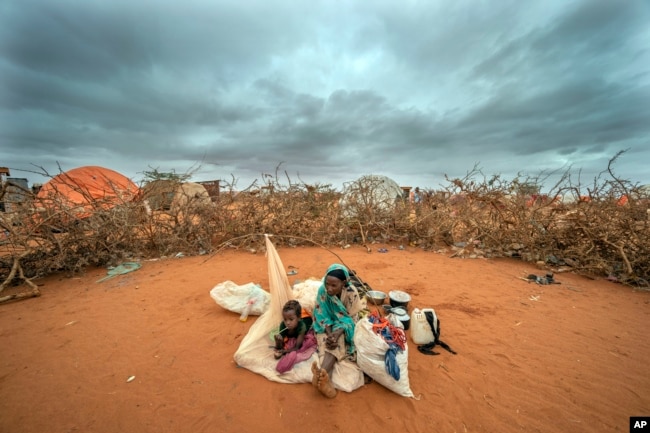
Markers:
point(563, 88)
point(333, 90)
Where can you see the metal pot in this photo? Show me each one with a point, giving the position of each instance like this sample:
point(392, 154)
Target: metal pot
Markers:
point(397, 298)
point(406, 321)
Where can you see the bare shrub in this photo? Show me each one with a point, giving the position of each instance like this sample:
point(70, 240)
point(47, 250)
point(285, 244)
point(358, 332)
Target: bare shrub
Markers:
point(297, 212)
point(604, 231)
point(179, 217)
point(597, 234)
point(372, 210)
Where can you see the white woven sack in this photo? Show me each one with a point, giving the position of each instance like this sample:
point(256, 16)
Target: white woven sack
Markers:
point(234, 297)
point(371, 353)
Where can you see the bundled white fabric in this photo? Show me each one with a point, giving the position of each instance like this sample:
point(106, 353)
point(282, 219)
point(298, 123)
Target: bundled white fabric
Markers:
point(305, 292)
point(371, 355)
point(234, 297)
point(254, 353)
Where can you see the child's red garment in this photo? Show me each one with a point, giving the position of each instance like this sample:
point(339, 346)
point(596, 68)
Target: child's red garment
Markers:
point(309, 346)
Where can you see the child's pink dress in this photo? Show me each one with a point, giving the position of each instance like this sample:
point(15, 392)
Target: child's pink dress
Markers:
point(309, 346)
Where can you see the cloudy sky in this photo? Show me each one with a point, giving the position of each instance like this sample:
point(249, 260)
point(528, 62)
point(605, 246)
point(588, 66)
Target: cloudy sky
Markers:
point(328, 90)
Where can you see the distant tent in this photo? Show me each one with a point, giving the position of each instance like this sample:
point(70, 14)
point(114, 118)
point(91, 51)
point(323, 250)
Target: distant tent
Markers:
point(166, 195)
point(17, 193)
point(370, 192)
point(81, 191)
point(644, 191)
point(641, 192)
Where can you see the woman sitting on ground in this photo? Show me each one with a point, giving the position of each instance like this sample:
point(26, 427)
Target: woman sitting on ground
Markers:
point(338, 308)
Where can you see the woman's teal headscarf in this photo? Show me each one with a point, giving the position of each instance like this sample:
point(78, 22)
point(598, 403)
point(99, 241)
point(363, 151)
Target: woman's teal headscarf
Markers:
point(331, 311)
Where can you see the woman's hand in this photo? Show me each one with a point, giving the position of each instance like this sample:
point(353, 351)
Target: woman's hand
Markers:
point(332, 341)
point(330, 345)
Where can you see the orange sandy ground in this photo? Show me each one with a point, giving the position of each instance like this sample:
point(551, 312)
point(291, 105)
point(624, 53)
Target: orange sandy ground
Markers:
point(574, 360)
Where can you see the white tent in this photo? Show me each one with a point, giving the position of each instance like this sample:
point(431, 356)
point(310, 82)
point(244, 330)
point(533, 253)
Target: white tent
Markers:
point(168, 195)
point(375, 192)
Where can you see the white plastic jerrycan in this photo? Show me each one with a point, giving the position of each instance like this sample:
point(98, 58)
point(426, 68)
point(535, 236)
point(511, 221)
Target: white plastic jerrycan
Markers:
point(421, 332)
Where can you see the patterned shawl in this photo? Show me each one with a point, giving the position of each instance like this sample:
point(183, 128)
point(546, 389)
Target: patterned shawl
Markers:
point(338, 313)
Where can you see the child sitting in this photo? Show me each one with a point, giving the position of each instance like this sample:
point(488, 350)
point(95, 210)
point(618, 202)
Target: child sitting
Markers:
point(295, 341)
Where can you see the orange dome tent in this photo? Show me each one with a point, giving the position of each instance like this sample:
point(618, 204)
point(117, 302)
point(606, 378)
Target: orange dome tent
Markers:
point(81, 191)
